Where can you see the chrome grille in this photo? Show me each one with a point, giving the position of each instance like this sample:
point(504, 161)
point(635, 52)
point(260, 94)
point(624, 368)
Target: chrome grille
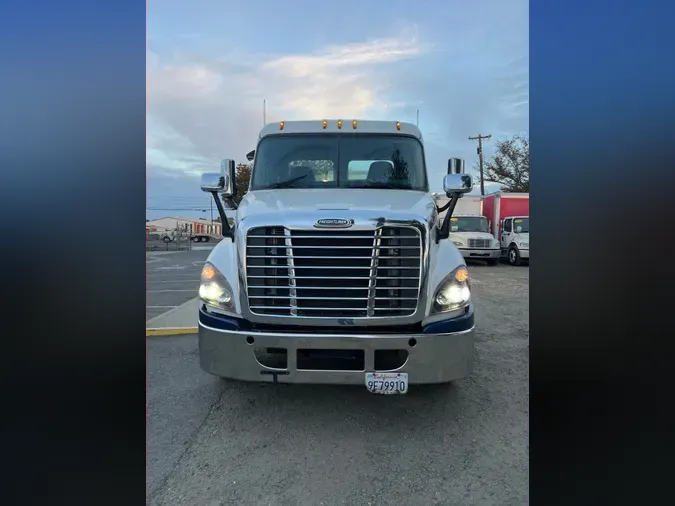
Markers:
point(333, 274)
point(479, 243)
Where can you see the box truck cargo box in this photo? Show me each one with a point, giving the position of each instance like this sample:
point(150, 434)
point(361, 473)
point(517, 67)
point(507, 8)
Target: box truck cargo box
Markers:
point(509, 217)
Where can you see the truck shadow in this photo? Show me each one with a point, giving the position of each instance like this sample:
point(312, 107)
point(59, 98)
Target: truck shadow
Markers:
point(333, 406)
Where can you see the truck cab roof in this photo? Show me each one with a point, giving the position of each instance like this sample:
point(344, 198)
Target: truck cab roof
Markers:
point(341, 126)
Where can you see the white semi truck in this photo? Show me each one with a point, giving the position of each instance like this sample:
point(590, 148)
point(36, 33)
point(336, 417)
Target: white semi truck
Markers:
point(336, 269)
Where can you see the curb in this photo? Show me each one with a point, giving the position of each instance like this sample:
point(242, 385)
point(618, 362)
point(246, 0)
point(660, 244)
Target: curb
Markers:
point(170, 331)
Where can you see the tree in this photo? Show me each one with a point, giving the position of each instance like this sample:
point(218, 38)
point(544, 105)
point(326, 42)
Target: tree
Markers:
point(510, 165)
point(241, 181)
point(323, 169)
point(400, 172)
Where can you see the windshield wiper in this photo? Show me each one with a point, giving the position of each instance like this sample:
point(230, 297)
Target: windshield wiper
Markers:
point(283, 184)
point(379, 184)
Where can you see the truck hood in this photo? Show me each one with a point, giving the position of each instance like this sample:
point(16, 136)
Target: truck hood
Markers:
point(381, 202)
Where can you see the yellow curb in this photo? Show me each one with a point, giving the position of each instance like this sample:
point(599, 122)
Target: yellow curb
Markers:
point(170, 331)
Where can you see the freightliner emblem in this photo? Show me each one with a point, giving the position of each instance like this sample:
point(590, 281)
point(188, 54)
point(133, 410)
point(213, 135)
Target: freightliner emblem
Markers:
point(334, 223)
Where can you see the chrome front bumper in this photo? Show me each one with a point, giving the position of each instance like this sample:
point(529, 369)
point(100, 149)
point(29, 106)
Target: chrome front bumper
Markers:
point(432, 358)
point(479, 254)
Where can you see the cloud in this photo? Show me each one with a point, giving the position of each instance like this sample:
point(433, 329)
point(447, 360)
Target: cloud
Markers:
point(206, 87)
point(201, 112)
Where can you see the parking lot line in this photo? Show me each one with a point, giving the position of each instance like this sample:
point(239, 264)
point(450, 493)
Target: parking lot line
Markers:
point(174, 281)
point(163, 273)
point(162, 291)
point(170, 331)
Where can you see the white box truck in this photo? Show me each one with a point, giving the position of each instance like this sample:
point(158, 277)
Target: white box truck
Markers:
point(336, 269)
point(470, 231)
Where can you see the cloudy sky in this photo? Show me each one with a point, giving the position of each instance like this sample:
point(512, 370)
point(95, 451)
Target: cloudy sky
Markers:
point(210, 64)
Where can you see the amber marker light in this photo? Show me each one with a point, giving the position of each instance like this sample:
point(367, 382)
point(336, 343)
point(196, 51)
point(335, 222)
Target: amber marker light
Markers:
point(208, 272)
point(462, 275)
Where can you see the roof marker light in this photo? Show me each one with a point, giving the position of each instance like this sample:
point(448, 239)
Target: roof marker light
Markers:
point(354, 124)
point(281, 125)
point(339, 123)
point(325, 124)
point(398, 125)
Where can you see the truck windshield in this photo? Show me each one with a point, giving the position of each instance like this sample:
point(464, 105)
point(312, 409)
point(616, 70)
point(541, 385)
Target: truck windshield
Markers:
point(469, 224)
point(521, 225)
point(339, 161)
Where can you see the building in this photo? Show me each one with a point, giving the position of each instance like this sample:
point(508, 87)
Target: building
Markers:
point(192, 225)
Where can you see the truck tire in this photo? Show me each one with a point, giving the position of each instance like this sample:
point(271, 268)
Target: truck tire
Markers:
point(166, 239)
point(514, 255)
point(196, 239)
point(206, 239)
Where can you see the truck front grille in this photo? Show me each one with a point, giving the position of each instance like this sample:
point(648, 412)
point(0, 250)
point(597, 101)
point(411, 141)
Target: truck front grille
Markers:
point(479, 243)
point(333, 274)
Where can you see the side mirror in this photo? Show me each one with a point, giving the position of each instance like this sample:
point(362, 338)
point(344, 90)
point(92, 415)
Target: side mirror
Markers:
point(250, 156)
point(227, 168)
point(455, 166)
point(457, 184)
point(214, 182)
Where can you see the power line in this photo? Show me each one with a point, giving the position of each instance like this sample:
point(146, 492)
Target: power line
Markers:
point(480, 138)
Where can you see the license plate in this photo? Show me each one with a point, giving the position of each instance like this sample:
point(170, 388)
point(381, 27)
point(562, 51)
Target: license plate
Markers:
point(387, 382)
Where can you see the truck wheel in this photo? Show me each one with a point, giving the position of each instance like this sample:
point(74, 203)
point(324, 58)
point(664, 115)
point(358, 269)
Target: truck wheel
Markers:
point(514, 256)
point(492, 261)
point(206, 239)
point(196, 239)
point(167, 239)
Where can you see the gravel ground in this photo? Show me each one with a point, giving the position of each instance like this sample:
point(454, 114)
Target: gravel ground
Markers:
point(214, 442)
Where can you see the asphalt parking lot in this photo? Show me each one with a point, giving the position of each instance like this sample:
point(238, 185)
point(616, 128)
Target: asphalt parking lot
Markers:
point(212, 441)
point(173, 278)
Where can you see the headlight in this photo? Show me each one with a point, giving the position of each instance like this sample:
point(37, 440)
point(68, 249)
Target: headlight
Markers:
point(458, 243)
point(454, 292)
point(495, 244)
point(214, 289)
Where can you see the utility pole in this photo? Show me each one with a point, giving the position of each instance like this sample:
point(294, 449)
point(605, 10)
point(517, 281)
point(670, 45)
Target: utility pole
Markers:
point(480, 138)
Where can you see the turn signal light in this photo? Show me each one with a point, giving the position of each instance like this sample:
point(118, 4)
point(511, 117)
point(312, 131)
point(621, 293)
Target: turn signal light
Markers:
point(462, 275)
point(208, 272)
